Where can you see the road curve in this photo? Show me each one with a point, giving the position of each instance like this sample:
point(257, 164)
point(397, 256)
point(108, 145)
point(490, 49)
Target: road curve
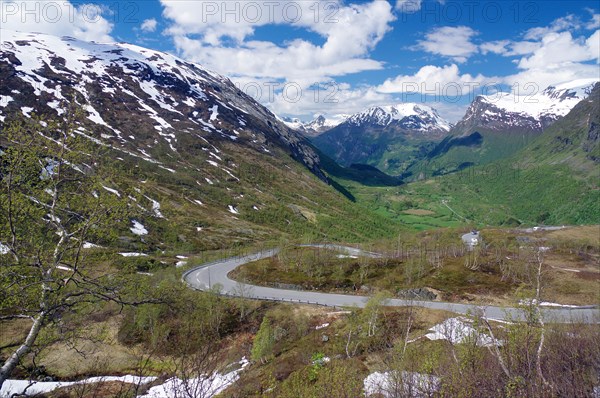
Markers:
point(213, 274)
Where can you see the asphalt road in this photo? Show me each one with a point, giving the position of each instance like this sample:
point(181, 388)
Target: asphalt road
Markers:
point(212, 275)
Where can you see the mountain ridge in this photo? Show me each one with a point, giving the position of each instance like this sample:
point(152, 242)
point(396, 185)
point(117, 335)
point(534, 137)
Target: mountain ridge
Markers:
point(224, 169)
point(386, 137)
point(126, 77)
point(530, 113)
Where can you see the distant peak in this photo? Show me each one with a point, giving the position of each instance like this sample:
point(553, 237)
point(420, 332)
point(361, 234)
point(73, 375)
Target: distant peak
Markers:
point(410, 116)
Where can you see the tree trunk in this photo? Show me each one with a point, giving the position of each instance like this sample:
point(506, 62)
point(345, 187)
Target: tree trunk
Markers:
point(12, 362)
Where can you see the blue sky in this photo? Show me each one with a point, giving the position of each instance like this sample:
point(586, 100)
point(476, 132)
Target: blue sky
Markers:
point(358, 53)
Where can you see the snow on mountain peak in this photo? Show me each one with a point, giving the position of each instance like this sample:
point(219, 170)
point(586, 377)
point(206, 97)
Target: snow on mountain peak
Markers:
point(138, 100)
point(551, 103)
point(319, 124)
point(413, 116)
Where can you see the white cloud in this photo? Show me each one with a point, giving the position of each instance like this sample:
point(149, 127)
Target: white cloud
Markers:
point(60, 18)
point(594, 22)
point(347, 43)
point(408, 6)
point(494, 47)
point(559, 48)
point(332, 100)
point(568, 22)
point(149, 25)
point(553, 75)
point(558, 58)
point(522, 48)
point(509, 48)
point(336, 99)
point(450, 41)
point(434, 80)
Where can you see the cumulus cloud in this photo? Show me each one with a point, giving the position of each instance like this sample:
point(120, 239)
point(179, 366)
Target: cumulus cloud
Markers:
point(568, 22)
point(559, 48)
point(60, 18)
point(594, 22)
point(149, 25)
point(408, 6)
point(454, 42)
point(331, 99)
point(349, 31)
point(552, 54)
point(434, 80)
point(559, 58)
point(494, 47)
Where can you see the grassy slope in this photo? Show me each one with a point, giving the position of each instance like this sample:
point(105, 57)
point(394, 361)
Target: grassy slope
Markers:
point(275, 197)
point(389, 151)
point(552, 180)
point(452, 154)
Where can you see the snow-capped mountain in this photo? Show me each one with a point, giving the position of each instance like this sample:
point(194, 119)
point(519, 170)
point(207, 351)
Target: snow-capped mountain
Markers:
point(315, 127)
point(408, 116)
point(292, 122)
point(142, 102)
point(208, 167)
point(530, 113)
point(321, 123)
point(384, 136)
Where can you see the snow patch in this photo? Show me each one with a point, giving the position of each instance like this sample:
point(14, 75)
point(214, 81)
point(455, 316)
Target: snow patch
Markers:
point(31, 388)
point(113, 191)
point(138, 228)
point(214, 113)
point(546, 304)
point(459, 330)
point(4, 100)
point(232, 209)
point(155, 207)
point(26, 110)
point(206, 386)
point(133, 254)
point(393, 384)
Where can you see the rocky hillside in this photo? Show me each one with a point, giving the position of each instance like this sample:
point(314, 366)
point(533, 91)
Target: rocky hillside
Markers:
point(128, 88)
point(574, 139)
point(220, 168)
point(496, 127)
point(527, 113)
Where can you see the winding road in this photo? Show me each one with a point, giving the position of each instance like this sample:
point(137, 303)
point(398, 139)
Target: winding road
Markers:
point(213, 274)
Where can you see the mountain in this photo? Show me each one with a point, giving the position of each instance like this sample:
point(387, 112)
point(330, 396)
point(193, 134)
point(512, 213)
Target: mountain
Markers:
point(553, 180)
point(408, 116)
point(495, 127)
point(321, 124)
point(315, 127)
point(526, 113)
point(573, 140)
point(387, 137)
point(169, 97)
point(221, 168)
